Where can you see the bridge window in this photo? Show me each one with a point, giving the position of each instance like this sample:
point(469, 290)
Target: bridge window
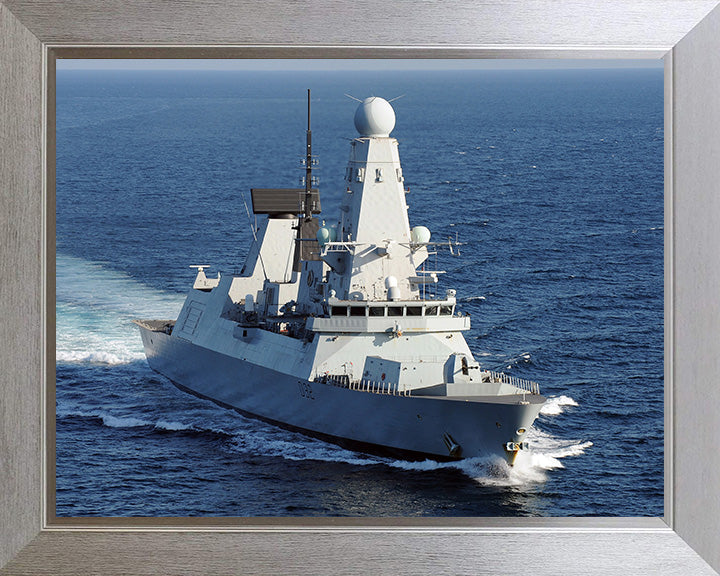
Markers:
point(446, 310)
point(395, 311)
point(377, 311)
point(357, 310)
point(431, 311)
point(339, 311)
point(414, 310)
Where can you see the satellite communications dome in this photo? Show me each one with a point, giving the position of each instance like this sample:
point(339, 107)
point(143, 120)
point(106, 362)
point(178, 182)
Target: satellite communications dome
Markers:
point(374, 117)
point(420, 235)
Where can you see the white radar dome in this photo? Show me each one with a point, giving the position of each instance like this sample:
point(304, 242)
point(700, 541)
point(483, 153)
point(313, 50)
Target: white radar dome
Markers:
point(327, 234)
point(420, 235)
point(374, 117)
point(323, 236)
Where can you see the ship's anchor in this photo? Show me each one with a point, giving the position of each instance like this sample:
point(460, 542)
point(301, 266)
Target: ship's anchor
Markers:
point(454, 449)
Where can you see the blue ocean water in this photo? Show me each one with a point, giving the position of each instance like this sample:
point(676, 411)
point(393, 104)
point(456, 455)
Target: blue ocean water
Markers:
point(552, 179)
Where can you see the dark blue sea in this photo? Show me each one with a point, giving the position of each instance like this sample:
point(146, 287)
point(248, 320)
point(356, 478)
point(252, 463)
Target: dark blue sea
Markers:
point(552, 179)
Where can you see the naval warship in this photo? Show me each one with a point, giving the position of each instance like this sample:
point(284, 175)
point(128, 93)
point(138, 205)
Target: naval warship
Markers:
point(338, 330)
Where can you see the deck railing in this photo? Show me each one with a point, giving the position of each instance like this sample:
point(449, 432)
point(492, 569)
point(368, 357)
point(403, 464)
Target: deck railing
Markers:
point(374, 387)
point(363, 385)
point(393, 389)
point(526, 385)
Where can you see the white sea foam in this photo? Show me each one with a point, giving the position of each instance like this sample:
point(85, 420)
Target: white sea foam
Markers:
point(267, 440)
point(543, 443)
point(173, 426)
point(121, 420)
point(555, 405)
point(99, 357)
point(94, 312)
point(108, 419)
point(522, 358)
point(530, 467)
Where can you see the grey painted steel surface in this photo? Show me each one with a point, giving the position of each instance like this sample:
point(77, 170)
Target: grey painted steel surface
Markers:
point(534, 29)
point(309, 353)
point(398, 422)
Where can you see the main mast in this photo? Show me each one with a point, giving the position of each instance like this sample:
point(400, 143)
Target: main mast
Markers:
point(307, 214)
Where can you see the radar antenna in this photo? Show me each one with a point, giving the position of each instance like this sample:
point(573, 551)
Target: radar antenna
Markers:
point(295, 202)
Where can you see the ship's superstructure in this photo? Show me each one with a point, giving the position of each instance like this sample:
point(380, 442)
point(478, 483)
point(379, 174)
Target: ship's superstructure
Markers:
point(336, 330)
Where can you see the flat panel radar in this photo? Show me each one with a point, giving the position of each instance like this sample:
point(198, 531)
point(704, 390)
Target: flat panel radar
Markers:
point(275, 201)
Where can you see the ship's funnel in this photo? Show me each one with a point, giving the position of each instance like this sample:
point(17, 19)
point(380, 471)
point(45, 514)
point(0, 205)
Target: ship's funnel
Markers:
point(374, 117)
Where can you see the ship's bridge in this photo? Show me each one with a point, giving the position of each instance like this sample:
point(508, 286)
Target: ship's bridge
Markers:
point(390, 317)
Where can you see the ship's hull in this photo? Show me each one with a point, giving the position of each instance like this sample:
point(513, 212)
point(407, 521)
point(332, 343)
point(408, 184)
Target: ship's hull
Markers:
point(413, 427)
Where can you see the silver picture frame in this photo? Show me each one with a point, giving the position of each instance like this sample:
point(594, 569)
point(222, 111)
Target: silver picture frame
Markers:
point(685, 33)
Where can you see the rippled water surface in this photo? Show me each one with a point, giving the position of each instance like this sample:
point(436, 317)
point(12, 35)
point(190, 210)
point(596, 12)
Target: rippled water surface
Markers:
point(551, 179)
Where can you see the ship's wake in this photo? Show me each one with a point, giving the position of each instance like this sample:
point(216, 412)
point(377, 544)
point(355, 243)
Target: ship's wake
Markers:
point(95, 308)
point(94, 312)
point(107, 418)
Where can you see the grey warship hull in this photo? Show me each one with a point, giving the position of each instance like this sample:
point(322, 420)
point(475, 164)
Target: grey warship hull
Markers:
point(339, 330)
point(413, 427)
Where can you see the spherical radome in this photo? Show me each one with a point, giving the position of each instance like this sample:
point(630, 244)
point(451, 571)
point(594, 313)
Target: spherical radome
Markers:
point(374, 117)
point(323, 236)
